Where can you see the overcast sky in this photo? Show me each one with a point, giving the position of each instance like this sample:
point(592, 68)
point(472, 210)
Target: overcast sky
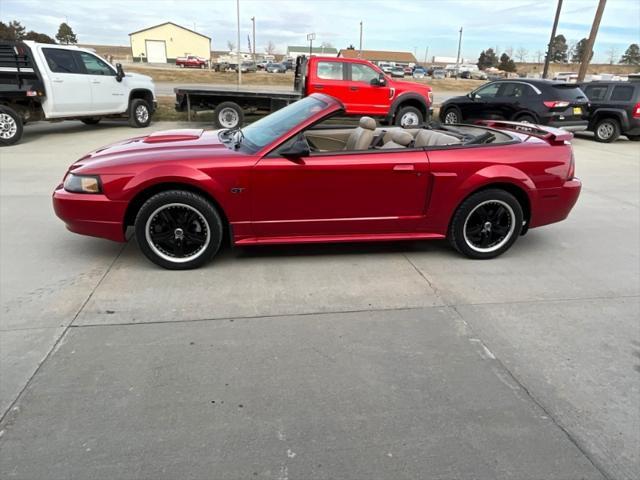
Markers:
point(409, 25)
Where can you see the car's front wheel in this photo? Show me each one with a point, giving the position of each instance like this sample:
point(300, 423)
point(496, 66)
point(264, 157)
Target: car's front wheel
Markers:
point(607, 130)
point(139, 113)
point(486, 224)
point(452, 115)
point(178, 230)
point(409, 117)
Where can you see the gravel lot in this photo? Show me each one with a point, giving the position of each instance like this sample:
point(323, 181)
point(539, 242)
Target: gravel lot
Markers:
point(401, 360)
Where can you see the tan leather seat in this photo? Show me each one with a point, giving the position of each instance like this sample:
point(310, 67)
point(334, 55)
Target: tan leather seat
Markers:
point(362, 136)
point(430, 138)
point(399, 139)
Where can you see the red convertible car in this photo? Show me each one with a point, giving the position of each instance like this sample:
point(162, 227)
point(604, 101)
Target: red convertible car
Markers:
point(293, 177)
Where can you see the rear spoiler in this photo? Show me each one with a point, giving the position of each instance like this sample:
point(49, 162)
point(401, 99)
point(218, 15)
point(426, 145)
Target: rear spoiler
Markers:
point(552, 135)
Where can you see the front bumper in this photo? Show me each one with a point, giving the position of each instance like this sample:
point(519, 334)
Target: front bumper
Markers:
point(552, 205)
point(90, 214)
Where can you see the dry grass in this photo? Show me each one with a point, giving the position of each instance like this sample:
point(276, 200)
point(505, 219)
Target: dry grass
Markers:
point(193, 75)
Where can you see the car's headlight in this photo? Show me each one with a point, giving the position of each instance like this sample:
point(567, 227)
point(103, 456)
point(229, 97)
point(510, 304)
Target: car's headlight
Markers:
point(82, 183)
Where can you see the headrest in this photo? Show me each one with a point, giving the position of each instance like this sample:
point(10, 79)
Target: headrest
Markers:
point(401, 137)
point(368, 123)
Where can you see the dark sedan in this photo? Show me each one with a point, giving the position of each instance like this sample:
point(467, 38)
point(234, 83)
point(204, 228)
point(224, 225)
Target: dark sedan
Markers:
point(544, 102)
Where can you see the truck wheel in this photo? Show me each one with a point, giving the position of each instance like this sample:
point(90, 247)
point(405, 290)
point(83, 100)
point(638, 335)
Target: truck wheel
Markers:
point(91, 121)
point(409, 117)
point(228, 115)
point(10, 126)
point(139, 113)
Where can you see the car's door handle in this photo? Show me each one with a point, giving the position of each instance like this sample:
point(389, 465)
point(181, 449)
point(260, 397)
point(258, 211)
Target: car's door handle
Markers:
point(96, 81)
point(404, 167)
point(58, 80)
point(319, 87)
point(355, 89)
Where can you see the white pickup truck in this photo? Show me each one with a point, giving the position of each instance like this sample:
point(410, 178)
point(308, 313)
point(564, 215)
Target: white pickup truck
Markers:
point(41, 81)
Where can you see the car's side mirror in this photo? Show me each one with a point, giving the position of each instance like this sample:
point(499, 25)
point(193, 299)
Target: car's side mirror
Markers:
point(381, 81)
point(119, 72)
point(295, 152)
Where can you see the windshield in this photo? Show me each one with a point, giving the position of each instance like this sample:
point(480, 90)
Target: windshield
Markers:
point(273, 126)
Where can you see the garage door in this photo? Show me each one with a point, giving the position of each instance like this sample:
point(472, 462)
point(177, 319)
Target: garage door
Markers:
point(156, 51)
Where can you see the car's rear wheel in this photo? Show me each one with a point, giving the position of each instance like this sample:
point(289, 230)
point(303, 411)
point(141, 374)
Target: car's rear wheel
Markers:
point(452, 115)
point(178, 230)
point(10, 126)
point(486, 224)
point(228, 115)
point(607, 130)
point(526, 119)
point(409, 117)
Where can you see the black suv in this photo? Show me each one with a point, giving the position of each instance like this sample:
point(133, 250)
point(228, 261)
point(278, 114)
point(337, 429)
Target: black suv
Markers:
point(615, 110)
point(545, 102)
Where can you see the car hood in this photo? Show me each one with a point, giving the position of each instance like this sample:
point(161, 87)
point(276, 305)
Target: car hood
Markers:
point(138, 76)
point(166, 145)
point(411, 86)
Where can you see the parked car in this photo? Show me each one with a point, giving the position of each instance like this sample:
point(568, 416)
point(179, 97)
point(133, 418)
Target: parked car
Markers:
point(289, 178)
point(479, 75)
point(262, 65)
point(408, 70)
point(543, 102)
point(276, 68)
point(362, 87)
point(192, 61)
point(289, 64)
point(614, 110)
point(385, 67)
point(439, 74)
point(246, 67)
point(419, 72)
point(397, 72)
point(41, 81)
point(465, 74)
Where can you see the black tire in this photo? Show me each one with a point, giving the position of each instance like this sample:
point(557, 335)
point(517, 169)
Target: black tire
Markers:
point(138, 119)
point(91, 121)
point(502, 210)
point(634, 138)
point(228, 115)
point(187, 227)
point(526, 118)
point(10, 126)
point(452, 115)
point(409, 117)
point(606, 130)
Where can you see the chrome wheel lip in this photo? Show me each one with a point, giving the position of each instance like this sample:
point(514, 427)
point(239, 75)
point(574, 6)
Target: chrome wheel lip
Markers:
point(228, 117)
point(451, 117)
point(412, 118)
point(8, 126)
point(162, 254)
point(142, 113)
point(502, 242)
point(605, 130)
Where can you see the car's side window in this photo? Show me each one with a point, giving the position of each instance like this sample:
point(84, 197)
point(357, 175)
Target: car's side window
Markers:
point(363, 73)
point(596, 92)
point(622, 93)
point(490, 91)
point(331, 70)
point(514, 90)
point(61, 61)
point(94, 66)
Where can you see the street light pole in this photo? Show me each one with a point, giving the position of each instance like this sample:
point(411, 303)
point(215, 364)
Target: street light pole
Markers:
point(311, 37)
point(360, 51)
point(253, 20)
point(458, 57)
point(238, 47)
point(547, 57)
point(586, 54)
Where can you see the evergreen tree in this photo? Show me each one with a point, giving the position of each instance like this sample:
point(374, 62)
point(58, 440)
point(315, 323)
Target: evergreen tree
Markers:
point(632, 55)
point(559, 49)
point(65, 34)
point(487, 59)
point(578, 51)
point(506, 63)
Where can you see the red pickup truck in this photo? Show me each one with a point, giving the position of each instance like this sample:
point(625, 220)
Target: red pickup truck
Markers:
point(361, 86)
point(191, 61)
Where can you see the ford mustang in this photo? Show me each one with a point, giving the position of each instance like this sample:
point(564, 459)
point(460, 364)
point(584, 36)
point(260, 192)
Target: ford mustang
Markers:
point(296, 176)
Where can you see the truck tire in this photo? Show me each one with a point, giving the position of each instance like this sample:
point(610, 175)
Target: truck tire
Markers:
point(409, 117)
point(10, 126)
point(228, 115)
point(91, 121)
point(139, 113)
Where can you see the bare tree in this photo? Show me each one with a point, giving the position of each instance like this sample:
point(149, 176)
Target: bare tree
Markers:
point(326, 45)
point(612, 55)
point(571, 48)
point(522, 54)
point(231, 46)
point(509, 51)
point(270, 48)
point(539, 55)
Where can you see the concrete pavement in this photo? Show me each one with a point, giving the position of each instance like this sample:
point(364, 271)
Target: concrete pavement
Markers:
point(525, 366)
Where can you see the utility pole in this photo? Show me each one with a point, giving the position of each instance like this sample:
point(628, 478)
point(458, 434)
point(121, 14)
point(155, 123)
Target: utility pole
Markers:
point(253, 20)
point(547, 57)
point(426, 55)
point(586, 54)
point(360, 52)
point(311, 37)
point(458, 57)
point(238, 48)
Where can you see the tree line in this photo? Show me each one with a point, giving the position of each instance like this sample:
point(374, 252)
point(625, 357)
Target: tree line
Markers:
point(14, 31)
point(561, 52)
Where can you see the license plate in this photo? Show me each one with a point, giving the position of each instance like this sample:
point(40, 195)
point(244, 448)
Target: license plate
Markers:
point(577, 111)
